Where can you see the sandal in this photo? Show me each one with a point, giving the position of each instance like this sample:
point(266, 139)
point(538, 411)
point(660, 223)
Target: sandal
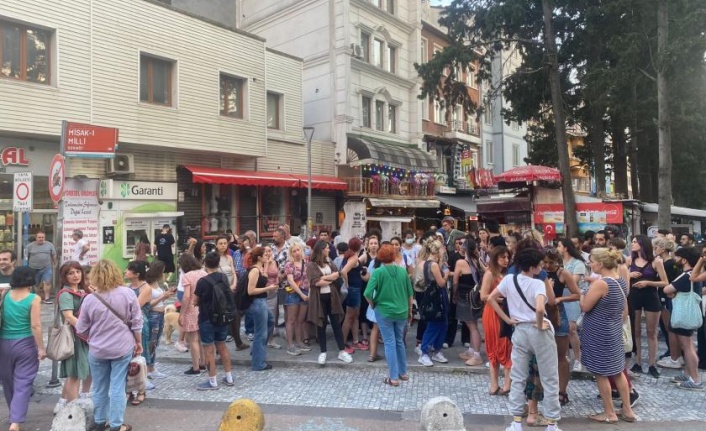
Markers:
point(495, 392)
point(404, 377)
point(139, 399)
point(540, 421)
point(624, 417)
point(374, 358)
point(389, 381)
point(504, 393)
point(602, 418)
point(123, 427)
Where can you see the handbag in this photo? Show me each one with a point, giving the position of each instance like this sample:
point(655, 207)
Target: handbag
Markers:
point(686, 310)
point(506, 330)
point(136, 374)
point(60, 345)
point(432, 306)
point(626, 329)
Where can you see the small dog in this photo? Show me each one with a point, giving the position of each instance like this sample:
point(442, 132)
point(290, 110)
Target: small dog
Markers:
point(171, 322)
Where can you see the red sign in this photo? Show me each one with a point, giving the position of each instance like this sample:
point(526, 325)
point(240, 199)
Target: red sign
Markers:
point(13, 156)
point(57, 178)
point(594, 212)
point(88, 141)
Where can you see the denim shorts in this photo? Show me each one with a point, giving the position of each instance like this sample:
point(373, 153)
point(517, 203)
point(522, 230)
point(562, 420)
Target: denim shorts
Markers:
point(43, 275)
point(180, 295)
point(563, 329)
point(294, 298)
point(211, 333)
point(354, 297)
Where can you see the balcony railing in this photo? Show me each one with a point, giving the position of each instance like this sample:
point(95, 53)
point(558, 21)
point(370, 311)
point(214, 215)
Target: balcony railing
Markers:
point(391, 188)
point(468, 127)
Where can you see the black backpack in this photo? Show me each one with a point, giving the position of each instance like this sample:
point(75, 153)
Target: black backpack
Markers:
point(242, 298)
point(223, 309)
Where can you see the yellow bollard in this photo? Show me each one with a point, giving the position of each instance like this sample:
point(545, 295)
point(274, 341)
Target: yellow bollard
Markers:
point(243, 415)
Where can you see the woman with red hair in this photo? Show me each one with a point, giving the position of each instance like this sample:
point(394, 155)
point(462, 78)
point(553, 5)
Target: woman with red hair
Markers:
point(389, 293)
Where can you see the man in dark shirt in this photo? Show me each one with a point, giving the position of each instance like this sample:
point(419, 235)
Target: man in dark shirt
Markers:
point(209, 332)
point(164, 250)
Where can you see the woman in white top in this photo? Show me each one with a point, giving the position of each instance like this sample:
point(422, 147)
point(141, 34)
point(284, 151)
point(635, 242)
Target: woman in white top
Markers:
point(226, 265)
point(574, 263)
point(156, 314)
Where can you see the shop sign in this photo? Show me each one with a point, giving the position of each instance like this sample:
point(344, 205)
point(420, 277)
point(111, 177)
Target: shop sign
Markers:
point(22, 192)
point(12, 156)
point(89, 141)
point(80, 210)
point(137, 190)
point(600, 213)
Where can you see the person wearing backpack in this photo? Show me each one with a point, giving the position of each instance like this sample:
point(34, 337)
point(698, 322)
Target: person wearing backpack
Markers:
point(213, 335)
point(262, 317)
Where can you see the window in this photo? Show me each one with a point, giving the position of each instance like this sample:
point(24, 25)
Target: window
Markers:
point(378, 46)
point(391, 59)
point(155, 80)
point(366, 102)
point(274, 107)
point(439, 113)
point(392, 118)
point(515, 155)
point(423, 58)
point(471, 77)
point(24, 53)
point(390, 6)
point(232, 96)
point(379, 112)
point(488, 114)
point(489, 156)
point(425, 108)
point(515, 125)
point(365, 44)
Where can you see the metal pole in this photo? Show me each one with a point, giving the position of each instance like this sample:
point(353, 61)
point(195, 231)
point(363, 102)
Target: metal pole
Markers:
point(309, 133)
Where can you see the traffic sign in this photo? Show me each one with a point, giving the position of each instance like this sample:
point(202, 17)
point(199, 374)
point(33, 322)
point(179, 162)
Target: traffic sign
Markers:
point(57, 178)
point(88, 140)
point(22, 192)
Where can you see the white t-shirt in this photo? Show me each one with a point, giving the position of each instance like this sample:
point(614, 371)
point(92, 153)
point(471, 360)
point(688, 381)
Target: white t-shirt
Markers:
point(412, 254)
point(530, 287)
point(326, 270)
point(77, 252)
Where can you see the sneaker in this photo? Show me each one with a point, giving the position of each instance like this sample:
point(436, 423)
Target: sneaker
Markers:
point(294, 351)
point(681, 378)
point(637, 369)
point(250, 336)
point(445, 346)
point(578, 367)
point(229, 339)
point(361, 346)
point(345, 357)
point(206, 386)
point(439, 357)
point(681, 360)
point(653, 372)
point(418, 349)
point(226, 382)
point(273, 345)
point(192, 372)
point(181, 347)
point(467, 345)
point(155, 375)
point(59, 405)
point(692, 386)
point(425, 360)
point(304, 348)
point(322, 359)
point(669, 363)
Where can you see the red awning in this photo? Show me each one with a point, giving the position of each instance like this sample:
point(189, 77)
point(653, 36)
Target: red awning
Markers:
point(267, 179)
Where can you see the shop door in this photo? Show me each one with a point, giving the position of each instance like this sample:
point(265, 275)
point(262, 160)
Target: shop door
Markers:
point(40, 220)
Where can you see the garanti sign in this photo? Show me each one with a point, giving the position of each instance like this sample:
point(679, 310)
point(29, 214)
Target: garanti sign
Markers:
point(137, 190)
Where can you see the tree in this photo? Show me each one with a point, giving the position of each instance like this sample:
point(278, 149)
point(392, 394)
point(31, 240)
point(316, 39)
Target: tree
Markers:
point(664, 217)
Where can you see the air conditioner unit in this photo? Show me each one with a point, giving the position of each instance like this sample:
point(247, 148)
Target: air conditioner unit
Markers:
point(357, 50)
point(121, 164)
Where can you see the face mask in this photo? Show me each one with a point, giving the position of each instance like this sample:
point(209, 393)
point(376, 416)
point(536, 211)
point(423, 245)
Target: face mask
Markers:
point(409, 241)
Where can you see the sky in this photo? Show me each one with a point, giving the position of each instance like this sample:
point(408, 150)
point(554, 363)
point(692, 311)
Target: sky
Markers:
point(440, 2)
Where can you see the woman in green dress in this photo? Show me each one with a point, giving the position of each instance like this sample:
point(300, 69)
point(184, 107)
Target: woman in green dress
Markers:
point(74, 369)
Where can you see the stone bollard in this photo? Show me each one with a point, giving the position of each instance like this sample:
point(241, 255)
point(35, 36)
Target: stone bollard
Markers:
point(243, 415)
point(441, 414)
point(75, 416)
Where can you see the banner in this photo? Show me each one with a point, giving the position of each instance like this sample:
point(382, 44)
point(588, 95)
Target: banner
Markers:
point(355, 221)
point(80, 211)
point(595, 213)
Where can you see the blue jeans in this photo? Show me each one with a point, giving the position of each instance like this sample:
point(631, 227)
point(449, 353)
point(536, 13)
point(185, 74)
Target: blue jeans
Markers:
point(156, 329)
point(109, 376)
point(263, 322)
point(249, 325)
point(392, 331)
point(435, 332)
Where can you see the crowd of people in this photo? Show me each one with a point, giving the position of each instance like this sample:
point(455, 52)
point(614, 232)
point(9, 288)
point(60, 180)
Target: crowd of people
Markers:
point(534, 303)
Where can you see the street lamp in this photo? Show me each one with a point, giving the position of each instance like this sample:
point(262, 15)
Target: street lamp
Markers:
point(308, 134)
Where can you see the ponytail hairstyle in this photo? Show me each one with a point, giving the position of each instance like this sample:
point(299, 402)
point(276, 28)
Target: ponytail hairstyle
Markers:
point(610, 259)
point(571, 249)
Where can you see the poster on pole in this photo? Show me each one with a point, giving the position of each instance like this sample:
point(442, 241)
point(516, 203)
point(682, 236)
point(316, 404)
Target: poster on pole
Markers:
point(22, 192)
point(354, 223)
point(81, 211)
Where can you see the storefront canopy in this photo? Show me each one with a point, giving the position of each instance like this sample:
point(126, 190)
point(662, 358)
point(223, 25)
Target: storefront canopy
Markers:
point(268, 179)
point(463, 203)
point(404, 203)
point(504, 206)
point(363, 151)
point(681, 211)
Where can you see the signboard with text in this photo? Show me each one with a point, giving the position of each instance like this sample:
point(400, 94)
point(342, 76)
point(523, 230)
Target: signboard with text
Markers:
point(89, 141)
point(137, 190)
point(22, 192)
point(81, 210)
point(600, 213)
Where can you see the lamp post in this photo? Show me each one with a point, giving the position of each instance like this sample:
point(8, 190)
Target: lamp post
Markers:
point(308, 134)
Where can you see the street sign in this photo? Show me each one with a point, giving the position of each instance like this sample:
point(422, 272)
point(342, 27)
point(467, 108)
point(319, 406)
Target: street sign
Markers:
point(89, 141)
point(57, 178)
point(22, 192)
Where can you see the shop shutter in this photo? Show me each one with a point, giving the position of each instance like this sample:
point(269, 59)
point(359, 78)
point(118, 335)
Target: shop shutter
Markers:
point(323, 212)
point(190, 223)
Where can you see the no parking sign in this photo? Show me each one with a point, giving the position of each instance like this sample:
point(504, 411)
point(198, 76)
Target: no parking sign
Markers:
point(22, 192)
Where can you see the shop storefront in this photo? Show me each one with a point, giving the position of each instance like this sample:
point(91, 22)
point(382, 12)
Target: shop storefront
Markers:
point(26, 155)
point(512, 213)
point(130, 210)
point(593, 216)
point(214, 200)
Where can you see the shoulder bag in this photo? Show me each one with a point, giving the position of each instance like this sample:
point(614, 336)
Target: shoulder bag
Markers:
point(686, 310)
point(432, 306)
point(627, 328)
point(505, 327)
point(60, 345)
point(125, 320)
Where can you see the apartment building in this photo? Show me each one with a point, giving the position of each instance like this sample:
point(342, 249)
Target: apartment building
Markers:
point(206, 113)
